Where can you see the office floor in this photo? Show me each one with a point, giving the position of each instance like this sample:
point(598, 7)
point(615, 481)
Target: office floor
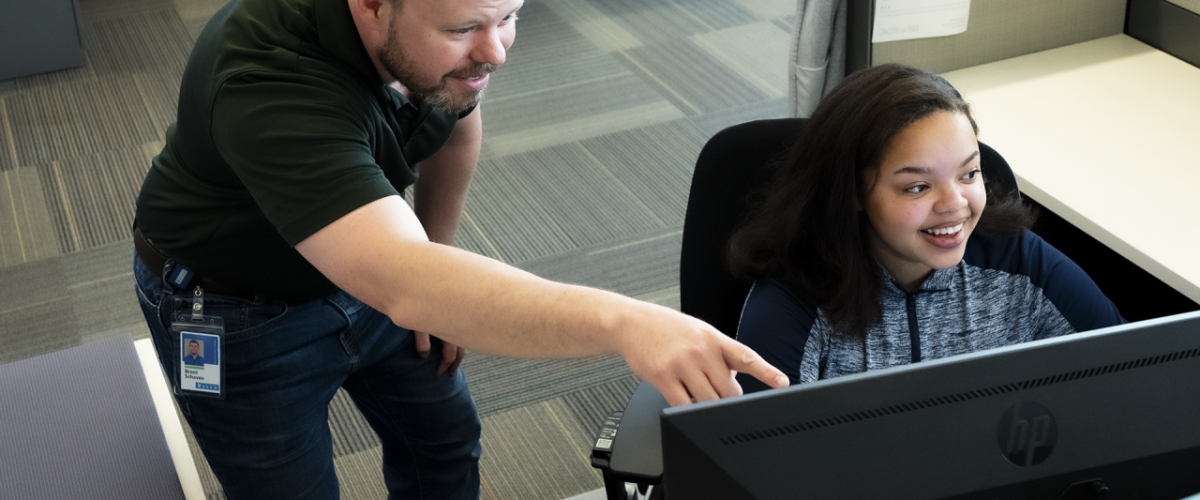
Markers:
point(591, 131)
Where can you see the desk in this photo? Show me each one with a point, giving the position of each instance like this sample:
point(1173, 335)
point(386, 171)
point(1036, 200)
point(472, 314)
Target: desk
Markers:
point(89, 422)
point(1103, 133)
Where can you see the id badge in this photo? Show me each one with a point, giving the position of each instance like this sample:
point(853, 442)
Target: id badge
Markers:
point(201, 350)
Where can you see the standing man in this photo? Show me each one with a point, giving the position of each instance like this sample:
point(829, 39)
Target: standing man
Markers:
point(275, 212)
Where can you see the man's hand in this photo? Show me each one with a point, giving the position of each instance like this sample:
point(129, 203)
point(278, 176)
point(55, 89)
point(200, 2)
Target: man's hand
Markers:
point(452, 355)
point(695, 362)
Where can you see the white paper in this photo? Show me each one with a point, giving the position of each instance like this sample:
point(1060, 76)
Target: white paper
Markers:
point(909, 19)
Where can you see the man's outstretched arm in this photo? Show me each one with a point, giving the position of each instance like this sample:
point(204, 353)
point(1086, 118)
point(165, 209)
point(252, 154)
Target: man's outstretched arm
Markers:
point(380, 254)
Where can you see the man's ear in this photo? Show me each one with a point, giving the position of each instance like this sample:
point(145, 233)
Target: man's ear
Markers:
point(370, 15)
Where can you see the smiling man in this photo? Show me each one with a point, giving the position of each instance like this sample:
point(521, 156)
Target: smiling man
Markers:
point(276, 207)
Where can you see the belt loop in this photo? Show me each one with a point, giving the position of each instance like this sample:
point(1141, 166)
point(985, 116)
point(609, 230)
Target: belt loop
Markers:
point(166, 274)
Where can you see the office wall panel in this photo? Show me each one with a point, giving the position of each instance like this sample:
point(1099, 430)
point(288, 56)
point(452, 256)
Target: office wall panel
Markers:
point(38, 36)
point(1000, 29)
point(1167, 26)
point(1192, 5)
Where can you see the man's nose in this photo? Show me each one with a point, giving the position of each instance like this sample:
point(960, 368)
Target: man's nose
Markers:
point(490, 48)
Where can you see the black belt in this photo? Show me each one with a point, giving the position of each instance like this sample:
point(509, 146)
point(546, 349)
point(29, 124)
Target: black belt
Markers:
point(155, 261)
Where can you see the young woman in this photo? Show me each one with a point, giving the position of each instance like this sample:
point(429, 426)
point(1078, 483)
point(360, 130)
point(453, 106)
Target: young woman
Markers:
point(878, 245)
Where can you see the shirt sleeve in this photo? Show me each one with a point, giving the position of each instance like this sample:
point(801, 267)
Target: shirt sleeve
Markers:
point(1067, 287)
point(775, 323)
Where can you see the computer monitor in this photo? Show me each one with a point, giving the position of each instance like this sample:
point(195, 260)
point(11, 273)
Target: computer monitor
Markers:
point(1111, 412)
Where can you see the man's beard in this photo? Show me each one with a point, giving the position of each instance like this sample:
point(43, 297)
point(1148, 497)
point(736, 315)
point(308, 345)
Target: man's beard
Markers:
point(436, 93)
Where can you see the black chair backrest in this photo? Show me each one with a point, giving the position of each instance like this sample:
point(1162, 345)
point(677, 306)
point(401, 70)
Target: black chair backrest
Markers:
point(731, 167)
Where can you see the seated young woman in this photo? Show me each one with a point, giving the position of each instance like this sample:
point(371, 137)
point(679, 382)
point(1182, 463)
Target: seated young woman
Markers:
point(877, 244)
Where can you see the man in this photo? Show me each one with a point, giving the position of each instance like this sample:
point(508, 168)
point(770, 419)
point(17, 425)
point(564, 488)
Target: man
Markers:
point(300, 122)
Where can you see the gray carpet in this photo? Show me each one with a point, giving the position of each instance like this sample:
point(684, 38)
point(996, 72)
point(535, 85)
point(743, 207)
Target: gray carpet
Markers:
point(591, 131)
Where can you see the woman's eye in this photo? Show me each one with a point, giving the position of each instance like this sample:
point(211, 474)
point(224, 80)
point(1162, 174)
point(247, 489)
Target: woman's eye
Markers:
point(917, 189)
point(972, 174)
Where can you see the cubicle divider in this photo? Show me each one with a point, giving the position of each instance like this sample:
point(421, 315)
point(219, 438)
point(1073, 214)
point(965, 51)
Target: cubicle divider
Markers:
point(997, 29)
point(1172, 26)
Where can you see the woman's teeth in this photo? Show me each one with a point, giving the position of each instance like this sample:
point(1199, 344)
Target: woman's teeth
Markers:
point(945, 230)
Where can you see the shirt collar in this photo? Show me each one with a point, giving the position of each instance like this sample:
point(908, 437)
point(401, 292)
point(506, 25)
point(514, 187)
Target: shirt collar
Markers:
point(940, 280)
point(339, 37)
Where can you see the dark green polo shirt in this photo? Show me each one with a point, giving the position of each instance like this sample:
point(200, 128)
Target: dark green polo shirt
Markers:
point(284, 126)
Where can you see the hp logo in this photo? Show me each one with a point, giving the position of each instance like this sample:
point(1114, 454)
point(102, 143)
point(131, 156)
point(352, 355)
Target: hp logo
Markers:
point(1027, 434)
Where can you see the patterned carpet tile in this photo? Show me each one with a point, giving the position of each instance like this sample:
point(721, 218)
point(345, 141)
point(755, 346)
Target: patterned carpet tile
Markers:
point(138, 42)
point(360, 476)
point(568, 94)
point(711, 123)
point(195, 13)
point(470, 237)
point(159, 91)
point(31, 284)
point(502, 384)
point(351, 432)
point(657, 21)
point(545, 45)
point(583, 127)
point(591, 406)
point(53, 303)
point(78, 118)
point(26, 229)
point(718, 14)
point(753, 52)
point(605, 32)
point(93, 10)
point(654, 162)
point(769, 9)
point(8, 144)
point(683, 71)
point(91, 198)
point(536, 452)
point(37, 329)
point(539, 203)
point(504, 210)
point(642, 264)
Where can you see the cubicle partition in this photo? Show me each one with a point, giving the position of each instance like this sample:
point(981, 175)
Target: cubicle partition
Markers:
point(1000, 29)
point(37, 36)
point(1172, 26)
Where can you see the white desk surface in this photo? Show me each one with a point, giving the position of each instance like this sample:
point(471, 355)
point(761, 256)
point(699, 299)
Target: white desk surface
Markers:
point(1105, 134)
point(164, 404)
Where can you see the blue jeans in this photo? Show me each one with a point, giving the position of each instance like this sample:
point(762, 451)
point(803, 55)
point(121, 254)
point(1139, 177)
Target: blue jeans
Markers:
point(269, 438)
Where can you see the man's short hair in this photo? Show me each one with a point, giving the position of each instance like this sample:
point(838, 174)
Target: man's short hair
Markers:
point(193, 341)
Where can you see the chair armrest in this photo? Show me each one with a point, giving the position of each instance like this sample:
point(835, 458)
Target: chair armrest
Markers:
point(636, 454)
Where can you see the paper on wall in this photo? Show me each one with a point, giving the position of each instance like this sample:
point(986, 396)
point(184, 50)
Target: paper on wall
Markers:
point(909, 19)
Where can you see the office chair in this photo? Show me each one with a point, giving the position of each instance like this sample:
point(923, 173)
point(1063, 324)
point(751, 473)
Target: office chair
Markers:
point(733, 164)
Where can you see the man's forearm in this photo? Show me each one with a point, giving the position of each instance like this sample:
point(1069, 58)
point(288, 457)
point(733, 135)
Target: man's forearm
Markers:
point(441, 190)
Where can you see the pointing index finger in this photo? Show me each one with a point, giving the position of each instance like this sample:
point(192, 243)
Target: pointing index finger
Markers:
point(744, 360)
